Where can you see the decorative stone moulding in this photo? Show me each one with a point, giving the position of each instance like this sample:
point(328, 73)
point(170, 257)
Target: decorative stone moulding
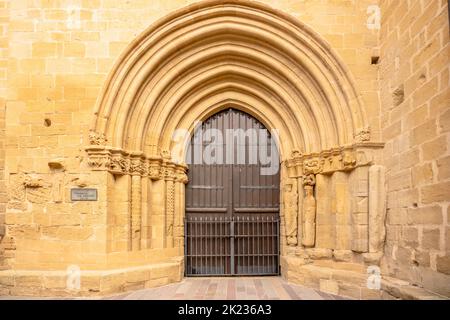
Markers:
point(120, 162)
point(333, 160)
point(241, 53)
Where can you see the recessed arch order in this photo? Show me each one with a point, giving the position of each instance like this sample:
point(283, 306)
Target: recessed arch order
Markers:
point(199, 59)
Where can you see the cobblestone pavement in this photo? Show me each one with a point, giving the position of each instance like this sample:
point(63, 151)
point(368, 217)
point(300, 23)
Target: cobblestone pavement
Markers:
point(248, 288)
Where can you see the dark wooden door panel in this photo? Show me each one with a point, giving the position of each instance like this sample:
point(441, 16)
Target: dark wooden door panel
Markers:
point(232, 207)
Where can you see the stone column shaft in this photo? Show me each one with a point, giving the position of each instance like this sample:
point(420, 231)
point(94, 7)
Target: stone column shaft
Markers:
point(309, 211)
point(136, 207)
point(360, 209)
point(300, 210)
point(377, 208)
point(179, 215)
point(157, 209)
point(325, 224)
point(170, 212)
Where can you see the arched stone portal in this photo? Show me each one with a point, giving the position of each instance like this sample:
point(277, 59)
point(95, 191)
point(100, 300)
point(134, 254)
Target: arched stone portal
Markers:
point(232, 198)
point(196, 62)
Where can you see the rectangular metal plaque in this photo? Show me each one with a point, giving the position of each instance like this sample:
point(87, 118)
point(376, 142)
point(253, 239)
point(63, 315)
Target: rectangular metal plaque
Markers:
point(83, 194)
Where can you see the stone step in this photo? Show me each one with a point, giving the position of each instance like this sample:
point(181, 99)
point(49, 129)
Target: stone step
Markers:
point(351, 280)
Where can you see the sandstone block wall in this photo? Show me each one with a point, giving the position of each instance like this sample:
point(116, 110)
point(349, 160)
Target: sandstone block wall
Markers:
point(415, 119)
point(59, 55)
point(4, 14)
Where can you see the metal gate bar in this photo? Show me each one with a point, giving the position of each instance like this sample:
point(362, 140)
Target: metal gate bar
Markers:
point(224, 246)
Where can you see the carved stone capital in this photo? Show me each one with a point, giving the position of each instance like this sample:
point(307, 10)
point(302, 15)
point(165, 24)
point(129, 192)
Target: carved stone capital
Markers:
point(337, 159)
point(348, 160)
point(169, 171)
point(295, 164)
point(182, 177)
point(99, 162)
point(99, 158)
point(154, 172)
point(296, 154)
point(155, 168)
point(119, 164)
point(180, 174)
point(97, 139)
point(362, 135)
point(165, 154)
point(137, 166)
point(313, 166)
point(309, 180)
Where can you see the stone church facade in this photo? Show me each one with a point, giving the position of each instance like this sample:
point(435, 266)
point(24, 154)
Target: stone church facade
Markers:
point(93, 90)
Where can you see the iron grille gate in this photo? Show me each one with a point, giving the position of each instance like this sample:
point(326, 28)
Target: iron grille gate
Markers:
point(239, 245)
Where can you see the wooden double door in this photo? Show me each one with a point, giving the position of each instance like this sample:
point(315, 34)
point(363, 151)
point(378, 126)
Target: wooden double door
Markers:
point(232, 198)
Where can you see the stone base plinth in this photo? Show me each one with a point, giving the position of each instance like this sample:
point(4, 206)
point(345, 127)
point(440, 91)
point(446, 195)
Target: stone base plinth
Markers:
point(92, 283)
point(349, 280)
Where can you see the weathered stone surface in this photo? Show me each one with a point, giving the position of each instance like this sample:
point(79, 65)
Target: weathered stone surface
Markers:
point(350, 291)
point(443, 264)
point(422, 258)
point(369, 294)
point(377, 208)
point(435, 148)
point(373, 258)
point(422, 174)
point(7, 280)
point(329, 286)
point(318, 253)
point(403, 290)
point(443, 166)
point(342, 255)
point(436, 193)
point(444, 121)
point(425, 215)
point(438, 279)
point(431, 239)
point(417, 123)
point(410, 237)
point(291, 212)
point(404, 256)
point(447, 237)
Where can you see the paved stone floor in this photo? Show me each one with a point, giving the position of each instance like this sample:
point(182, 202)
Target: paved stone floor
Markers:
point(251, 288)
point(242, 288)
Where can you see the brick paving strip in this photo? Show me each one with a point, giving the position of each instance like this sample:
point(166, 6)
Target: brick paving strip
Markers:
point(245, 288)
point(227, 288)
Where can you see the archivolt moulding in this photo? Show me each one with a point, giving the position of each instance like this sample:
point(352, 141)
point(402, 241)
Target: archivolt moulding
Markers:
point(214, 54)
